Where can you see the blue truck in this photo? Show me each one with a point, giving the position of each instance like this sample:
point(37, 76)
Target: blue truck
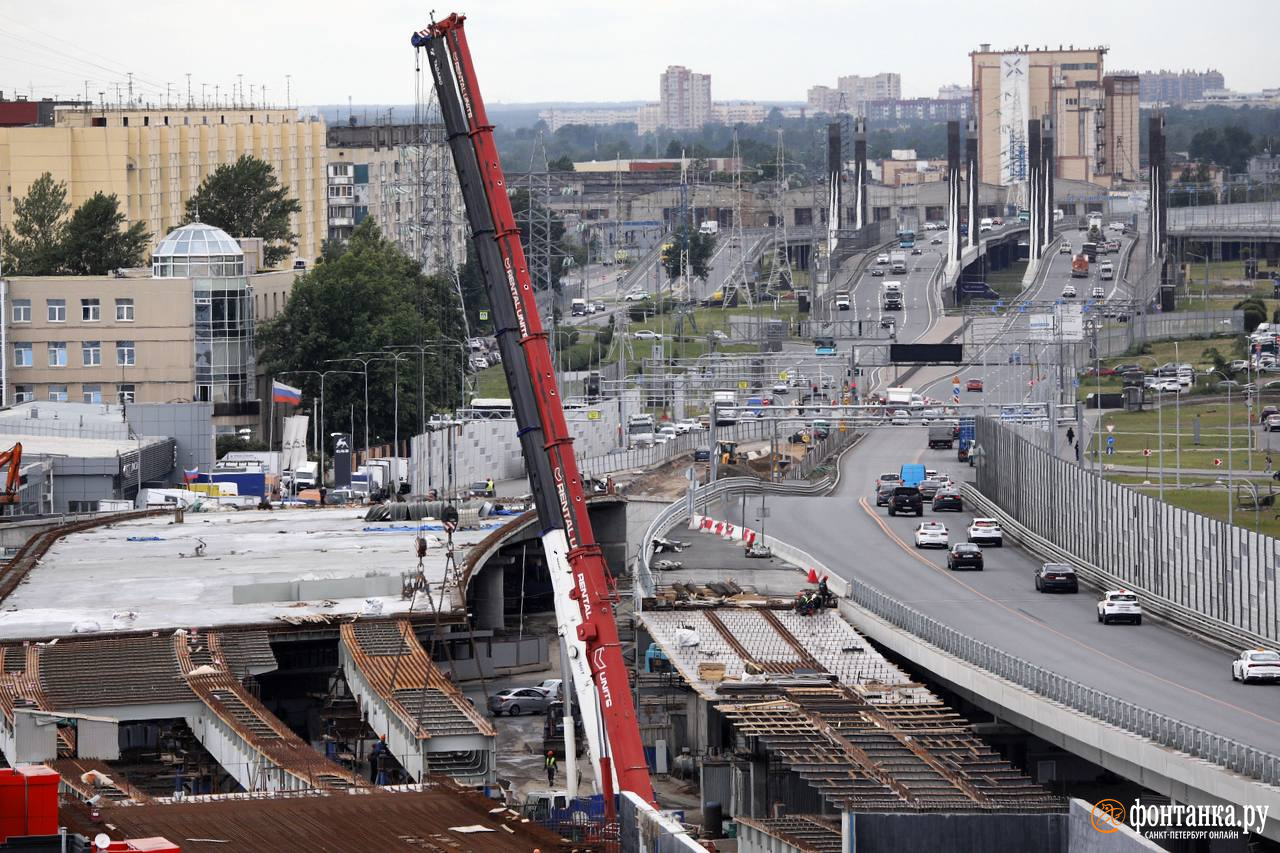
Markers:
point(966, 440)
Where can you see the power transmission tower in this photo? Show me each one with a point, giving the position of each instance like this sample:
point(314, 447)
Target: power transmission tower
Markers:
point(740, 284)
point(780, 270)
point(536, 217)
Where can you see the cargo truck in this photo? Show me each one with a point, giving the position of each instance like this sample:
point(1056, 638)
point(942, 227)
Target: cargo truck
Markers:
point(898, 397)
point(842, 300)
point(898, 262)
point(941, 436)
point(1080, 266)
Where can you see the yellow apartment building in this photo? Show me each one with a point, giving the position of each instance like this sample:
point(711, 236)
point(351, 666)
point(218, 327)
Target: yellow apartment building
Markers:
point(153, 160)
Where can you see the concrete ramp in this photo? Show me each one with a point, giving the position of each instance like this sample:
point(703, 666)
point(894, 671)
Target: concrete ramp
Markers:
point(251, 743)
point(431, 728)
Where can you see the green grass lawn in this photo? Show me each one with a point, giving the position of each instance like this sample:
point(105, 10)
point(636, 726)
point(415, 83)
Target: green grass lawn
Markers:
point(1136, 431)
point(708, 320)
point(1212, 501)
point(1008, 282)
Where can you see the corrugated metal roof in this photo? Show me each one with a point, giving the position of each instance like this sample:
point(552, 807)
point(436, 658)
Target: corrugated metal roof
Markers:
point(383, 821)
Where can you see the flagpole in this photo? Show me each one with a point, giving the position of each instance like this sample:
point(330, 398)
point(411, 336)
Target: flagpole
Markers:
point(271, 424)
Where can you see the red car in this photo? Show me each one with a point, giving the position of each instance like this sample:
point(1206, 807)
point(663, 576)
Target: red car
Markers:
point(973, 385)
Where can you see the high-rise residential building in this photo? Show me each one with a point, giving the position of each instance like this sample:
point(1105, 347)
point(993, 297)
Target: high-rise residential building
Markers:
point(402, 176)
point(923, 109)
point(181, 331)
point(684, 98)
point(824, 99)
point(1121, 138)
point(153, 159)
point(955, 92)
point(879, 87)
point(738, 112)
point(1094, 140)
point(1178, 87)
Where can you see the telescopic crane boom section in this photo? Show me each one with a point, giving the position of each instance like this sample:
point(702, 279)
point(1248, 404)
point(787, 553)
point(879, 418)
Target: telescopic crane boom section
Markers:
point(11, 462)
point(559, 494)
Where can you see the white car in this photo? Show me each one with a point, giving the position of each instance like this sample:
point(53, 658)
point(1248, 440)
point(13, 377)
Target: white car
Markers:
point(1171, 386)
point(1119, 605)
point(1069, 291)
point(781, 388)
point(930, 415)
point(662, 437)
point(551, 687)
point(636, 296)
point(881, 260)
point(1064, 248)
point(932, 534)
point(669, 430)
point(685, 426)
point(901, 417)
point(986, 531)
point(646, 335)
point(1098, 293)
point(1256, 665)
point(890, 477)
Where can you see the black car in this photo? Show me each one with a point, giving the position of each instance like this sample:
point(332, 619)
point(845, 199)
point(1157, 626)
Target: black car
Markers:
point(964, 555)
point(907, 500)
point(884, 492)
point(948, 499)
point(1056, 577)
point(702, 454)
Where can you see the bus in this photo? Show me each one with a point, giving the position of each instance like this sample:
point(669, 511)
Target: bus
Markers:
point(824, 346)
point(906, 239)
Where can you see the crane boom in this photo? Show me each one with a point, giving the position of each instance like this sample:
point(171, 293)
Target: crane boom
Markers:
point(584, 599)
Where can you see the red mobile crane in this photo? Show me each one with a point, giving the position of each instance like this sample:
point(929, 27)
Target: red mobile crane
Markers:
point(11, 462)
point(584, 594)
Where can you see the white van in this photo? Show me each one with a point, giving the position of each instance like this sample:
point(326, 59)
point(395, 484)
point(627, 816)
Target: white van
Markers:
point(984, 224)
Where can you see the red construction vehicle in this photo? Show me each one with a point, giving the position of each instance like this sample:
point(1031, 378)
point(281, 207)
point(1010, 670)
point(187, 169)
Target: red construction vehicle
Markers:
point(11, 461)
point(584, 590)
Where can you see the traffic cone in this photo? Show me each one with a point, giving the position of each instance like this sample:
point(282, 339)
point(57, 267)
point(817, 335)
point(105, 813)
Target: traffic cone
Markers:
point(813, 576)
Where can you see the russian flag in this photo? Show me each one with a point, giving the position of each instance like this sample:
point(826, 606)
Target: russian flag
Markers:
point(189, 476)
point(281, 393)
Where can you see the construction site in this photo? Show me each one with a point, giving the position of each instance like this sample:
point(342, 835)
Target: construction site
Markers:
point(495, 674)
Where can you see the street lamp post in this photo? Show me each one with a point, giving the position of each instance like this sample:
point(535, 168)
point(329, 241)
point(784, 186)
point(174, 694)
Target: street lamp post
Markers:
point(364, 365)
point(1228, 383)
point(323, 374)
point(1252, 488)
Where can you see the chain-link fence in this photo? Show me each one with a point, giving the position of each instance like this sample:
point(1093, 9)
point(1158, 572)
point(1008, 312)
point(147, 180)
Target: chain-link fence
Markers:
point(1181, 325)
point(1194, 562)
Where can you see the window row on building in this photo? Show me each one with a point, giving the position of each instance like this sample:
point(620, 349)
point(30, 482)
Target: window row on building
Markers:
point(56, 310)
point(90, 353)
point(87, 392)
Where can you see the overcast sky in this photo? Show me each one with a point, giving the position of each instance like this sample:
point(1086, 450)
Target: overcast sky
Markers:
point(572, 50)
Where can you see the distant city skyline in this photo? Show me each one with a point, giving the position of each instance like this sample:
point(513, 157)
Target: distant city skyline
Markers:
point(575, 51)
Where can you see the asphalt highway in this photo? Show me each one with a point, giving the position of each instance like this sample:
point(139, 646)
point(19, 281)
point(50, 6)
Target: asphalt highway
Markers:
point(1151, 665)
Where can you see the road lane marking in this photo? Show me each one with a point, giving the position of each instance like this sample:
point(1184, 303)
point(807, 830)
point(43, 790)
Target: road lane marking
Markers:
point(912, 552)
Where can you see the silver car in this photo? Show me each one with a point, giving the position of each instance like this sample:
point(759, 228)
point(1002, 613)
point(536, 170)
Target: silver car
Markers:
point(515, 701)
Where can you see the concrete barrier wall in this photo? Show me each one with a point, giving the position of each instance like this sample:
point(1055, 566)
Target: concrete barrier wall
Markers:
point(489, 448)
point(883, 832)
point(644, 830)
point(1083, 838)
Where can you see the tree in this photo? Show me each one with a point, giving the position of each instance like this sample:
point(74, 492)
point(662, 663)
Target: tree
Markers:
point(561, 164)
point(1255, 311)
point(95, 244)
point(245, 200)
point(369, 297)
point(701, 248)
point(35, 246)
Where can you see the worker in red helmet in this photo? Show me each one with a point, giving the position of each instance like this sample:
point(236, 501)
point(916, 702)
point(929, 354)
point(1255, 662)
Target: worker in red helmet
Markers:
point(550, 764)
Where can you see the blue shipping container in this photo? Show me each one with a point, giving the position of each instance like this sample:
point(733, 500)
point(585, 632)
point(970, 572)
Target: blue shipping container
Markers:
point(247, 483)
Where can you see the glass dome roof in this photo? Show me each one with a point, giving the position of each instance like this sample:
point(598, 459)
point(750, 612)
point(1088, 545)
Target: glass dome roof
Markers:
point(197, 240)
